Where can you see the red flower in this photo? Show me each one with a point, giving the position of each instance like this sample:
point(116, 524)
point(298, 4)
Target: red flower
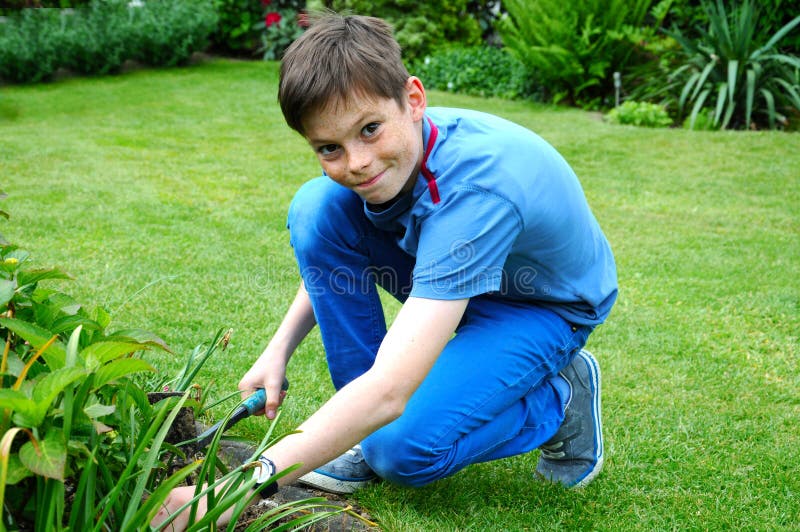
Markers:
point(272, 18)
point(265, 3)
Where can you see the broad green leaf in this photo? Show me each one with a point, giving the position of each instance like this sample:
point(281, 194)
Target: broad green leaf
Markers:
point(37, 337)
point(50, 459)
point(119, 368)
point(98, 410)
point(139, 336)
point(34, 276)
point(733, 72)
point(16, 401)
point(16, 470)
point(7, 288)
point(100, 353)
point(70, 322)
point(751, 94)
point(47, 389)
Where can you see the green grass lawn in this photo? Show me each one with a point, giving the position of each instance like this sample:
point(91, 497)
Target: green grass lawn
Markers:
point(165, 194)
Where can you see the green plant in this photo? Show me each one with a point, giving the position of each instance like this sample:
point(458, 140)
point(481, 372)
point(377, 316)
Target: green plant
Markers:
point(81, 446)
point(97, 38)
point(479, 71)
point(237, 18)
point(420, 27)
point(166, 33)
point(728, 68)
point(639, 114)
point(30, 43)
point(572, 48)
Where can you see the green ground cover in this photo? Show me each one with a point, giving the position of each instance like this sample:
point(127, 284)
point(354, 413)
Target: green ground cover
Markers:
point(165, 193)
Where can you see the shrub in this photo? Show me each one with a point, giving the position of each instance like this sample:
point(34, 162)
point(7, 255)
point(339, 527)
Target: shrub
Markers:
point(100, 37)
point(420, 27)
point(235, 33)
point(166, 33)
point(639, 114)
point(573, 47)
point(478, 71)
point(30, 46)
point(731, 68)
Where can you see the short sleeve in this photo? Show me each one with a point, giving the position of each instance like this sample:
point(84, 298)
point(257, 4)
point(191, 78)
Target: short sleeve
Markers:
point(463, 245)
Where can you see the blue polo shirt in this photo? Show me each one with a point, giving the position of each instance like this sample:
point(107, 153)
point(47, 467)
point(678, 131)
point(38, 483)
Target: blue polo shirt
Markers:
point(496, 210)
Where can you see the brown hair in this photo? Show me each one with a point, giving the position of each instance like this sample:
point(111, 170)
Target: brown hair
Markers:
point(337, 57)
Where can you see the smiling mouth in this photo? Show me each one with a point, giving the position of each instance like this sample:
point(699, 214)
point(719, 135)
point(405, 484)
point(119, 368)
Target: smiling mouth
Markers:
point(370, 182)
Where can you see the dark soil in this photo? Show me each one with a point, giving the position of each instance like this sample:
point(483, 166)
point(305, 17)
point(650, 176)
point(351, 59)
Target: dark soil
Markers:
point(353, 519)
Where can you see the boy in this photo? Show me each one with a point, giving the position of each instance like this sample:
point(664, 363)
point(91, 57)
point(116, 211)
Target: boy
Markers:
point(482, 230)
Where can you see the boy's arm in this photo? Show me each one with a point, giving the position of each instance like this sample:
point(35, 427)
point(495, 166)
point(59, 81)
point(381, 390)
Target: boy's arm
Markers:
point(269, 370)
point(410, 348)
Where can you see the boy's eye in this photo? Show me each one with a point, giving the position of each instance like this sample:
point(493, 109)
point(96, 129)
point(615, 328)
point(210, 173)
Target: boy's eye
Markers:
point(327, 149)
point(370, 129)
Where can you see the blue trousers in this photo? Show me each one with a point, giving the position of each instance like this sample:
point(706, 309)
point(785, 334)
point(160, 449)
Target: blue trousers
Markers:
point(493, 392)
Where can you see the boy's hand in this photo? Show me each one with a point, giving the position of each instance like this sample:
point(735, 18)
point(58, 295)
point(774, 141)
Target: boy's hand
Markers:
point(177, 498)
point(268, 373)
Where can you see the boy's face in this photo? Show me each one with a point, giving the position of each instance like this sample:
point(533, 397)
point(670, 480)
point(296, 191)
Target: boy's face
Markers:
point(373, 146)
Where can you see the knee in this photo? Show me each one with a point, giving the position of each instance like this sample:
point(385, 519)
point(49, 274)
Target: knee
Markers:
point(316, 212)
point(398, 458)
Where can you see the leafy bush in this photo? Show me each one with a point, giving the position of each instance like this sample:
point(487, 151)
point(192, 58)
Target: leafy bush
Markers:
point(732, 68)
point(166, 33)
point(30, 46)
point(235, 33)
point(99, 38)
point(478, 71)
point(639, 114)
point(420, 27)
point(573, 47)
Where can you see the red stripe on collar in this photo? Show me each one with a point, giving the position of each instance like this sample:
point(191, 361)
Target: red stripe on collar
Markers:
point(429, 177)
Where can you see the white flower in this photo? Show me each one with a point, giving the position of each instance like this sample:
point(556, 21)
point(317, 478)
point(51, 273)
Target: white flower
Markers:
point(450, 85)
point(136, 3)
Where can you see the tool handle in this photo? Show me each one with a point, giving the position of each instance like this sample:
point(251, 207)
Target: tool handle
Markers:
point(258, 400)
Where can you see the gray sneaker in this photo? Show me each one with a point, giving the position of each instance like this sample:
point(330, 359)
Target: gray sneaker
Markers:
point(574, 456)
point(341, 475)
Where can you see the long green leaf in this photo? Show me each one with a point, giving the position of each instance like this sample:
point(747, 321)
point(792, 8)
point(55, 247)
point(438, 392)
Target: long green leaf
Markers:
point(791, 90)
point(721, 97)
point(703, 77)
point(29, 277)
point(770, 101)
point(733, 73)
point(152, 445)
point(780, 34)
point(750, 97)
point(150, 508)
point(698, 105)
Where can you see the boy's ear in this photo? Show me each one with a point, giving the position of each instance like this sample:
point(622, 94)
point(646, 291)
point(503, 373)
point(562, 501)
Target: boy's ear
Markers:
point(415, 94)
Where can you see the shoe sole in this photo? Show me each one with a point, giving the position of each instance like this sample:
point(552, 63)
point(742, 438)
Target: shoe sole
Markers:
point(332, 484)
point(594, 375)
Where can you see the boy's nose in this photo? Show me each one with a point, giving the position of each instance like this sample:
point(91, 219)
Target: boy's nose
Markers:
point(358, 159)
